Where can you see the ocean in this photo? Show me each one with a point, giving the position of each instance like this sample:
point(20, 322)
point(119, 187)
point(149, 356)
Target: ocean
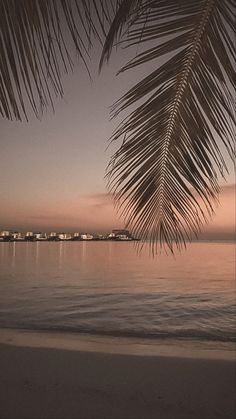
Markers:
point(106, 288)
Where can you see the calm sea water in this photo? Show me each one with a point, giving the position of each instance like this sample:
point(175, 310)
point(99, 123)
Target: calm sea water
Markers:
point(105, 288)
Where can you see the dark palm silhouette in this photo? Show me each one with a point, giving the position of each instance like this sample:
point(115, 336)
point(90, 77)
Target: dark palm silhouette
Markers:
point(164, 177)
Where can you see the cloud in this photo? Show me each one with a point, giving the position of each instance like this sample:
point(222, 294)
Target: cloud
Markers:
point(45, 217)
point(98, 200)
point(96, 213)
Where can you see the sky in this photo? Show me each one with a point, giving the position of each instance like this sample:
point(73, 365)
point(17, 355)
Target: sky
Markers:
point(52, 170)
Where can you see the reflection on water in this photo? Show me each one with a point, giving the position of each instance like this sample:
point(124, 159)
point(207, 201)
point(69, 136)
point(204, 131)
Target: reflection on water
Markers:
point(107, 288)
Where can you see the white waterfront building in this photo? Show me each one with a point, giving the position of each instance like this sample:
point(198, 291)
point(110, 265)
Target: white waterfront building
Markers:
point(86, 236)
point(53, 234)
point(40, 236)
point(5, 233)
point(64, 236)
point(18, 236)
point(29, 234)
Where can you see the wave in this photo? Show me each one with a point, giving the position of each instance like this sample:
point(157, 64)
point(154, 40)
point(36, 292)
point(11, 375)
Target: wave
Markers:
point(196, 335)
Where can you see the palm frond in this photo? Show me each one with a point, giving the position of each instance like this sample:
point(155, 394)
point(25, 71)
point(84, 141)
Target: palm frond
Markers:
point(126, 10)
point(165, 175)
point(35, 43)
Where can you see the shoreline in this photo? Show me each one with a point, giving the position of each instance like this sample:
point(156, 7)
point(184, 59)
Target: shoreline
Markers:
point(51, 375)
point(200, 240)
point(49, 383)
point(84, 342)
point(71, 241)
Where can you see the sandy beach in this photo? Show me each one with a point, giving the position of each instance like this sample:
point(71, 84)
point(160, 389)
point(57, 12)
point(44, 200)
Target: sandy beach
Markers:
point(38, 382)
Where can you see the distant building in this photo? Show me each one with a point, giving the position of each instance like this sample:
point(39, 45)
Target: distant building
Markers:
point(64, 236)
point(98, 237)
point(116, 234)
point(5, 233)
point(18, 236)
point(29, 234)
point(120, 235)
point(40, 236)
point(53, 236)
point(86, 236)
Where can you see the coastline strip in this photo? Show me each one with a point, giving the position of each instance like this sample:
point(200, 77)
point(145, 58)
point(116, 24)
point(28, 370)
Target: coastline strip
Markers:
point(117, 345)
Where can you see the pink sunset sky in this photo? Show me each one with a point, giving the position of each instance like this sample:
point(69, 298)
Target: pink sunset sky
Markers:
point(52, 171)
